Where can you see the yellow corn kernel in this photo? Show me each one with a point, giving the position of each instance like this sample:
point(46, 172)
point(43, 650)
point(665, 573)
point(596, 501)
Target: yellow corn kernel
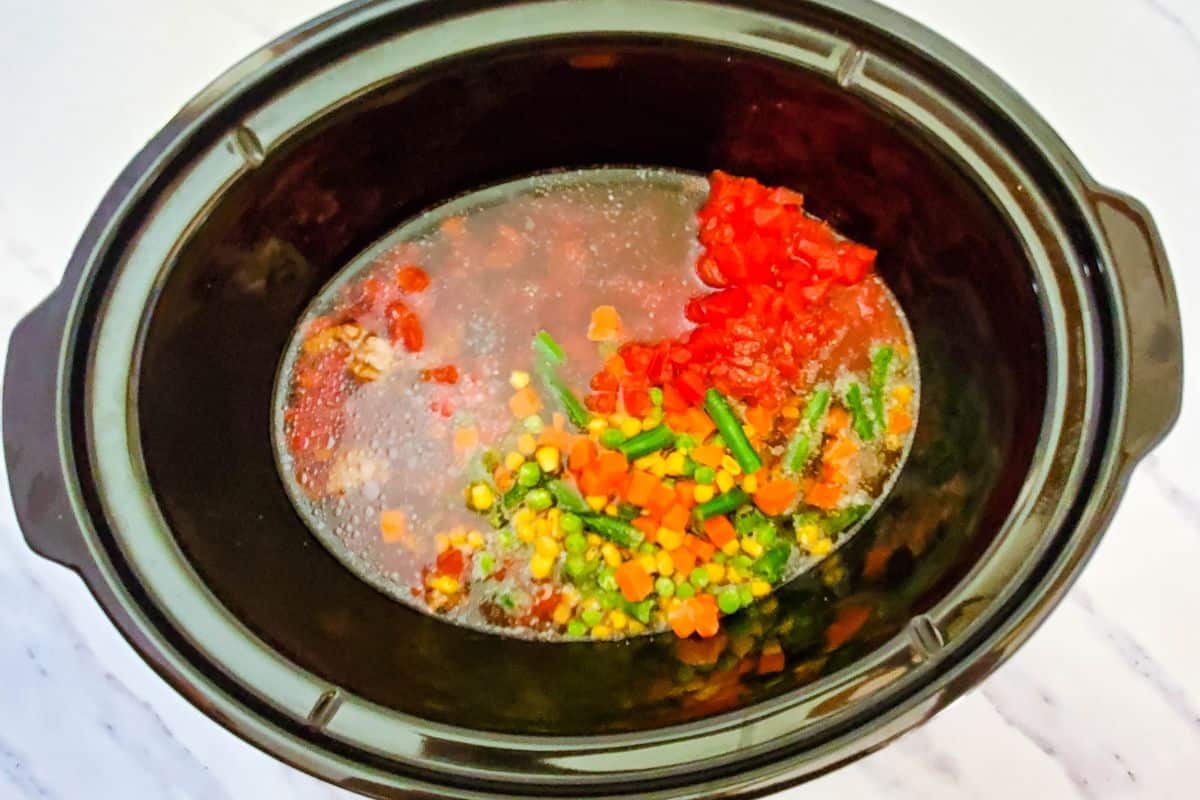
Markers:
point(541, 526)
point(635, 627)
point(760, 588)
point(749, 430)
point(674, 463)
point(458, 537)
point(594, 539)
point(475, 540)
point(750, 484)
point(631, 427)
point(526, 532)
point(892, 441)
point(822, 547)
point(902, 393)
point(618, 620)
point(601, 631)
point(444, 584)
point(703, 492)
point(807, 535)
point(540, 567)
point(666, 564)
point(790, 412)
point(596, 502)
point(669, 539)
point(716, 572)
point(648, 563)
point(526, 444)
point(562, 614)
point(597, 425)
point(442, 542)
point(612, 556)
point(751, 547)
point(652, 420)
point(646, 462)
point(615, 419)
point(523, 516)
point(730, 465)
point(553, 518)
point(659, 468)
point(548, 459)
point(518, 379)
point(731, 548)
point(481, 497)
point(546, 546)
point(724, 481)
point(612, 509)
point(513, 461)
point(733, 576)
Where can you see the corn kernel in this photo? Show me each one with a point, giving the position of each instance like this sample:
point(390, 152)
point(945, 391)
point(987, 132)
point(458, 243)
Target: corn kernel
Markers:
point(648, 563)
point(631, 427)
point(732, 575)
point(481, 497)
point(724, 481)
point(444, 584)
point(541, 526)
point(716, 572)
point(540, 567)
point(546, 546)
point(750, 484)
point(618, 620)
point(562, 614)
point(703, 492)
point(790, 412)
point(674, 463)
point(523, 516)
point(666, 564)
point(669, 539)
point(548, 459)
point(730, 465)
point(731, 548)
point(822, 547)
point(475, 540)
point(612, 556)
point(892, 441)
point(526, 444)
point(601, 632)
point(458, 537)
point(612, 509)
point(646, 462)
point(760, 588)
point(659, 469)
point(592, 553)
point(594, 540)
point(807, 535)
point(596, 502)
point(902, 393)
point(749, 430)
point(617, 418)
point(751, 547)
point(518, 379)
point(652, 420)
point(597, 425)
point(526, 532)
point(442, 542)
point(513, 461)
point(635, 627)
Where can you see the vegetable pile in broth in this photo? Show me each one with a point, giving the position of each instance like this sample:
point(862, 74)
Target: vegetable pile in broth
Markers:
point(596, 404)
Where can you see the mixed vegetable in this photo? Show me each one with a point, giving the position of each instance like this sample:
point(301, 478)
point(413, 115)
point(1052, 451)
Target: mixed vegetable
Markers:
point(697, 472)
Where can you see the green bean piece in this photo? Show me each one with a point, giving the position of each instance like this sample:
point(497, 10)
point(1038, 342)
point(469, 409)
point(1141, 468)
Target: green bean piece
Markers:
point(862, 420)
point(800, 448)
point(643, 610)
point(722, 504)
point(612, 438)
point(731, 431)
point(656, 396)
point(881, 361)
point(647, 442)
point(567, 498)
point(773, 563)
point(514, 496)
point(550, 357)
point(843, 519)
point(548, 350)
point(613, 529)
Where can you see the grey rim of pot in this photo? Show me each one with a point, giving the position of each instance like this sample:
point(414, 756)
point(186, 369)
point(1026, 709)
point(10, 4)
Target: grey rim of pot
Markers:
point(1126, 378)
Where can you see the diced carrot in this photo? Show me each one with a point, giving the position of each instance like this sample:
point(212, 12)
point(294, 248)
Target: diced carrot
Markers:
point(708, 455)
point(592, 483)
point(559, 421)
point(704, 550)
point(837, 420)
point(583, 452)
point(634, 581)
point(685, 560)
point(661, 499)
point(673, 401)
point(555, 437)
point(524, 403)
point(823, 495)
point(682, 619)
point(676, 518)
point(761, 418)
point(899, 421)
point(840, 450)
point(611, 462)
point(685, 493)
point(850, 620)
point(615, 365)
point(605, 325)
point(701, 652)
point(641, 487)
point(706, 614)
point(465, 440)
point(771, 661)
point(776, 497)
point(502, 475)
point(677, 422)
point(699, 424)
point(720, 530)
point(647, 525)
point(393, 525)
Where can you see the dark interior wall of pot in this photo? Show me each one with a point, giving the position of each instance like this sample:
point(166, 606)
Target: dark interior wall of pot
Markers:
point(228, 305)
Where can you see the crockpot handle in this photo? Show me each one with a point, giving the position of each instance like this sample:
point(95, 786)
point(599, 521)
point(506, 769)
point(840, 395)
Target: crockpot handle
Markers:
point(36, 474)
point(1152, 316)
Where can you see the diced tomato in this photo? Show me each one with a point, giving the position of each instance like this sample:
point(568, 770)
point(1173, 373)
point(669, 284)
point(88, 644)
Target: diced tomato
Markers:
point(444, 374)
point(412, 279)
point(450, 562)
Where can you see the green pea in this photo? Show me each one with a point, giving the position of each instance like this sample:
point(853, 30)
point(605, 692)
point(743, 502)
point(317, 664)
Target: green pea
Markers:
point(576, 543)
point(529, 474)
point(728, 600)
point(576, 628)
point(656, 395)
point(570, 523)
point(685, 590)
point(486, 563)
point(539, 499)
point(717, 441)
point(766, 535)
point(533, 424)
point(743, 562)
point(699, 577)
point(608, 581)
point(647, 548)
point(577, 565)
point(745, 596)
point(665, 587)
point(609, 601)
point(507, 538)
point(642, 611)
point(705, 475)
point(685, 441)
point(689, 467)
point(718, 557)
point(591, 617)
point(612, 438)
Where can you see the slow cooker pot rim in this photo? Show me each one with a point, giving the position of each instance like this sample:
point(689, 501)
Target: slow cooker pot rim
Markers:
point(120, 205)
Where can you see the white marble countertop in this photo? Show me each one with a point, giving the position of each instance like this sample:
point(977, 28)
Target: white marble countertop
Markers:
point(1103, 702)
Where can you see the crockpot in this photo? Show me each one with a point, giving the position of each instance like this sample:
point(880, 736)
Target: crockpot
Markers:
point(137, 397)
